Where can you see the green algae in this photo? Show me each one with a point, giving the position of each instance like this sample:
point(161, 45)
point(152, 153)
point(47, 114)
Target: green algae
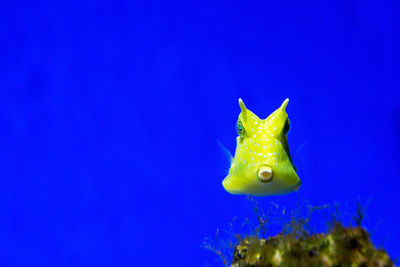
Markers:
point(341, 246)
point(297, 243)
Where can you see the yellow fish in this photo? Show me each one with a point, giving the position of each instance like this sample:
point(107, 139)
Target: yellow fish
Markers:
point(262, 164)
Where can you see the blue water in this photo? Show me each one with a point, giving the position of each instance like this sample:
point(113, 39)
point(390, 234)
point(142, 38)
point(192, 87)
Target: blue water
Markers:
point(111, 111)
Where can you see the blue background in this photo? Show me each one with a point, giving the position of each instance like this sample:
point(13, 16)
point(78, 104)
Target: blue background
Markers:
point(110, 112)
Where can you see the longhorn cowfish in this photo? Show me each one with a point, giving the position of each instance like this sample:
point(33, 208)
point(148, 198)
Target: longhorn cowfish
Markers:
point(262, 164)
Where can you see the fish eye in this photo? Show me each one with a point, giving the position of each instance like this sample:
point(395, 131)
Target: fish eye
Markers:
point(239, 128)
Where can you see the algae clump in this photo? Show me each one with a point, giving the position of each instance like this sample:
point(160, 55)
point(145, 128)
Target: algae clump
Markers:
point(297, 243)
point(341, 246)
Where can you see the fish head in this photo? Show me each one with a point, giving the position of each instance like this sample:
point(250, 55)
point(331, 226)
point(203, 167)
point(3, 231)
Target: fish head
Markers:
point(262, 164)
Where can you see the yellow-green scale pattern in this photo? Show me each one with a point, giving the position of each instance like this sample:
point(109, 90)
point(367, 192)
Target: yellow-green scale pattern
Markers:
point(262, 143)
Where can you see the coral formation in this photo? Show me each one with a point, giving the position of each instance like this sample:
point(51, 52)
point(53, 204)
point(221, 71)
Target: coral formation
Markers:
point(298, 244)
point(341, 246)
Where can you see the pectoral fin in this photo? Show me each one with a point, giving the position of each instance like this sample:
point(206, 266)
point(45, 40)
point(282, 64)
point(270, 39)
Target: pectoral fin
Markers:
point(226, 152)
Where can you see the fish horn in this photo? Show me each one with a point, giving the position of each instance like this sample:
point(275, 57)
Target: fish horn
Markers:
point(242, 107)
point(284, 104)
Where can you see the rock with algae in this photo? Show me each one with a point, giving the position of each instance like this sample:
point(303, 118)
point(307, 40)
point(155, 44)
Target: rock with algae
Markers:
point(340, 246)
point(298, 244)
